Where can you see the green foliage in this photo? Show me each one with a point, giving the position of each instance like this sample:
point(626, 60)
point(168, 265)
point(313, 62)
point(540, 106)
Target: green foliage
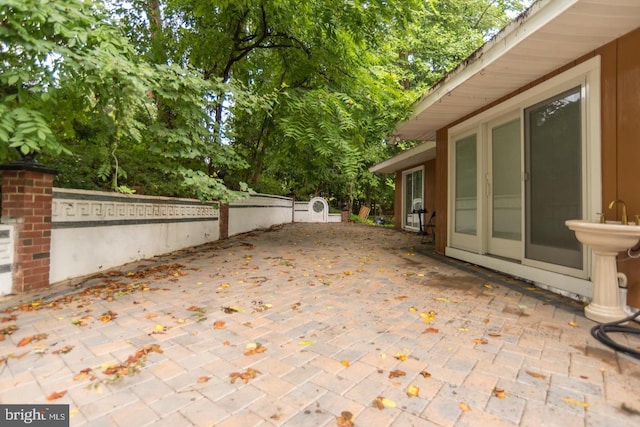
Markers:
point(155, 96)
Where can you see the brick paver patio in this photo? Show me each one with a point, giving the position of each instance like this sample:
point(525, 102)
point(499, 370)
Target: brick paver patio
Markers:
point(312, 325)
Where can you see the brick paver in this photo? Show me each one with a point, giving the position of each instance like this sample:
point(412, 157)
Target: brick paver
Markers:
point(342, 316)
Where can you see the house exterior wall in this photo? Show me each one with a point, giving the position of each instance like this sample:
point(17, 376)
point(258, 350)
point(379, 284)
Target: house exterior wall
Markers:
point(620, 130)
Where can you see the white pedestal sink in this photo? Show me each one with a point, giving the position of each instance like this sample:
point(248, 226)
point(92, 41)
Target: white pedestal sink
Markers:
point(605, 240)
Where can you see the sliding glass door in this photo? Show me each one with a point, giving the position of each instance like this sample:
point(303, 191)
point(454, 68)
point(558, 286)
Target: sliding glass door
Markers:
point(553, 167)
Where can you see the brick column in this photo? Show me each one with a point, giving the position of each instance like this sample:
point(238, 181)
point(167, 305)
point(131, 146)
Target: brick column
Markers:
point(224, 221)
point(26, 204)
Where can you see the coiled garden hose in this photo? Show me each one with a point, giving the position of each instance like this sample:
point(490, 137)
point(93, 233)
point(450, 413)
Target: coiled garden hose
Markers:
point(600, 332)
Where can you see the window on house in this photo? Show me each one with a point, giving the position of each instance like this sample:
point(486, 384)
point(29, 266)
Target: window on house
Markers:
point(413, 195)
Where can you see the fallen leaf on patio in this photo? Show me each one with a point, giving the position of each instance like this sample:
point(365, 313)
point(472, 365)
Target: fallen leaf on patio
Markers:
point(226, 343)
point(413, 391)
point(345, 363)
point(536, 375)
point(397, 373)
point(499, 393)
point(150, 348)
point(488, 286)
point(347, 273)
point(532, 288)
point(244, 376)
point(306, 342)
point(229, 310)
point(8, 319)
point(480, 341)
point(84, 374)
point(80, 322)
point(464, 407)
point(412, 309)
point(425, 374)
point(151, 315)
point(108, 316)
point(428, 317)
point(219, 324)
point(203, 379)
point(56, 395)
point(24, 341)
point(254, 348)
point(485, 321)
point(442, 299)
point(382, 402)
point(493, 334)
point(160, 328)
point(64, 350)
point(33, 338)
point(431, 330)
point(575, 402)
point(629, 409)
point(345, 419)
point(224, 286)
point(400, 356)
point(463, 329)
point(574, 324)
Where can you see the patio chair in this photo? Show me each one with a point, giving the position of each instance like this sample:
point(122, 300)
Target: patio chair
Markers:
point(430, 229)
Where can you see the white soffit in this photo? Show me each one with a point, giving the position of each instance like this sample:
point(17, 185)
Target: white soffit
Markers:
point(412, 157)
point(549, 35)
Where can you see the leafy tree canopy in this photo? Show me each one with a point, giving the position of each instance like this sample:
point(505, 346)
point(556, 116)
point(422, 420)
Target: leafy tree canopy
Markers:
point(159, 96)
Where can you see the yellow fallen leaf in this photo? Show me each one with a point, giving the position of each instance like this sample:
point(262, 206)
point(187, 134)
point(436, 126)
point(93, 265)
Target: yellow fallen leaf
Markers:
point(480, 341)
point(345, 419)
point(575, 402)
point(488, 286)
point(159, 328)
point(345, 363)
point(382, 402)
point(412, 309)
point(425, 374)
point(464, 407)
point(574, 324)
point(536, 375)
point(499, 393)
point(413, 391)
point(442, 299)
point(306, 342)
point(401, 357)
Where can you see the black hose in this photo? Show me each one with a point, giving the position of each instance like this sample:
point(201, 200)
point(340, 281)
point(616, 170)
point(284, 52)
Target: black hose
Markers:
point(600, 332)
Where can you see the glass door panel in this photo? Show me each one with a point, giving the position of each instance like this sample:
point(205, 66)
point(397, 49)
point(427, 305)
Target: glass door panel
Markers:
point(553, 191)
point(466, 186)
point(505, 198)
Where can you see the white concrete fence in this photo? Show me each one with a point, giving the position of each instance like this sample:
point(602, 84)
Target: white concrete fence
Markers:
point(92, 231)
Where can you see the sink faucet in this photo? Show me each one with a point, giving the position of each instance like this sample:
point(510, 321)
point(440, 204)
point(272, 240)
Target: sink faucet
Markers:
point(624, 210)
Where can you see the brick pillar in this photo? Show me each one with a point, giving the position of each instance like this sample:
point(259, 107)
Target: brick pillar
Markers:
point(224, 221)
point(26, 204)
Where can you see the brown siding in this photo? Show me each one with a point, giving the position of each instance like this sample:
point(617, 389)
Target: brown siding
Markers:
point(442, 170)
point(624, 144)
point(397, 202)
